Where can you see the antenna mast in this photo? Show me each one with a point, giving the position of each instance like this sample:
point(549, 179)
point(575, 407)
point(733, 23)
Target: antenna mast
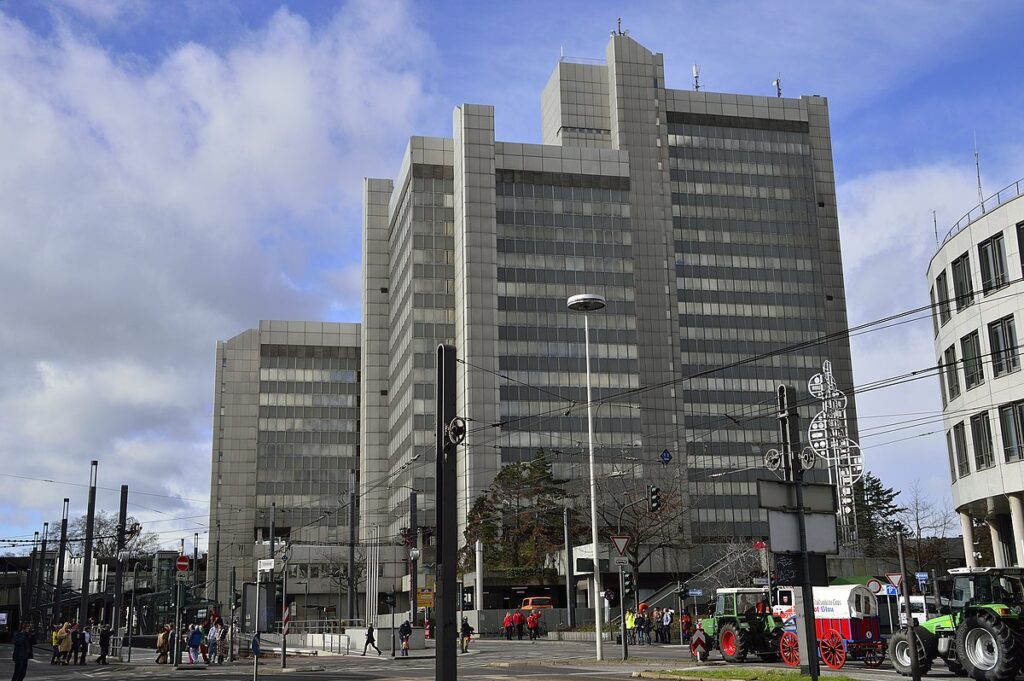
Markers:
point(977, 169)
point(778, 86)
point(696, 77)
point(935, 225)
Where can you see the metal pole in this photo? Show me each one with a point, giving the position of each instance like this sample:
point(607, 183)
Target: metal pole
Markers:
point(31, 580)
point(122, 519)
point(42, 569)
point(351, 577)
point(131, 608)
point(445, 662)
point(216, 568)
point(391, 609)
point(59, 579)
point(177, 619)
point(570, 577)
point(231, 614)
point(195, 564)
point(593, 502)
point(90, 521)
point(285, 612)
point(915, 671)
point(270, 575)
point(256, 633)
point(414, 530)
point(478, 601)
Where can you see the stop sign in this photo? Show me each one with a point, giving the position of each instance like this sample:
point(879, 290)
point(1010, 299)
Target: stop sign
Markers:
point(182, 563)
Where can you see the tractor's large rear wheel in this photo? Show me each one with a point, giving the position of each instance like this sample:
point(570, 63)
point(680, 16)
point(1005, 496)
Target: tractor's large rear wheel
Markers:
point(732, 641)
point(987, 647)
point(899, 653)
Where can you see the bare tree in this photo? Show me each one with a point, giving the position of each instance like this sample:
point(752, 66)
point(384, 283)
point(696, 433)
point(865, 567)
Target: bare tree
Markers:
point(104, 536)
point(927, 525)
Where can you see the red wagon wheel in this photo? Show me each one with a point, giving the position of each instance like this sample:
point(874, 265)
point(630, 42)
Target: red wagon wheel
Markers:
point(789, 648)
point(873, 656)
point(833, 650)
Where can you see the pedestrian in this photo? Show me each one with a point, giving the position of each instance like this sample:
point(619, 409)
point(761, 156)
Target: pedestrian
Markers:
point(105, 635)
point(76, 642)
point(64, 643)
point(371, 642)
point(465, 635)
point(23, 642)
point(666, 623)
point(684, 623)
point(506, 626)
point(518, 620)
point(224, 642)
point(212, 641)
point(639, 628)
point(531, 625)
point(162, 644)
point(55, 656)
point(195, 639)
point(204, 643)
point(83, 652)
point(404, 634)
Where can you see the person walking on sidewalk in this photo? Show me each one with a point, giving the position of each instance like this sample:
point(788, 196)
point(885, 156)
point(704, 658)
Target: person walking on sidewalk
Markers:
point(507, 626)
point(105, 635)
point(518, 620)
point(23, 642)
point(404, 634)
point(371, 641)
point(161, 644)
point(465, 635)
point(195, 638)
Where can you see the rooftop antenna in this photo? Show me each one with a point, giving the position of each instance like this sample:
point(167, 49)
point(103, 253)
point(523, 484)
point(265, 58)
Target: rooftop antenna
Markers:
point(561, 52)
point(778, 86)
point(696, 77)
point(619, 30)
point(977, 169)
point(935, 225)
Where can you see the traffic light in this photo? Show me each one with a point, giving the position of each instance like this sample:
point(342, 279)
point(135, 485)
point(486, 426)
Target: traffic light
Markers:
point(236, 598)
point(628, 584)
point(389, 599)
point(653, 499)
point(683, 591)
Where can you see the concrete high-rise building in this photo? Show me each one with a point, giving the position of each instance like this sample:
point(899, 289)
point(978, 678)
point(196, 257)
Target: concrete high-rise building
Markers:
point(708, 221)
point(285, 436)
point(976, 281)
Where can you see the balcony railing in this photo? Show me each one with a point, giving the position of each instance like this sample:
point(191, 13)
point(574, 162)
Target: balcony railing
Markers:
point(1007, 193)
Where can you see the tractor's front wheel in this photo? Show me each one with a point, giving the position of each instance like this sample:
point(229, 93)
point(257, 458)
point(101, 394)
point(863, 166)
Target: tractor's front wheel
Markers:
point(986, 646)
point(899, 653)
point(732, 641)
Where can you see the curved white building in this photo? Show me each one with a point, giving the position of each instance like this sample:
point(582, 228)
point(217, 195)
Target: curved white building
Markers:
point(976, 282)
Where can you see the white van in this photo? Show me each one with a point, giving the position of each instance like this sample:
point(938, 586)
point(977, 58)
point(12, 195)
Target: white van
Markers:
point(923, 608)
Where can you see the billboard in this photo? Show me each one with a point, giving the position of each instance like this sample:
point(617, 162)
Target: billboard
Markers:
point(268, 606)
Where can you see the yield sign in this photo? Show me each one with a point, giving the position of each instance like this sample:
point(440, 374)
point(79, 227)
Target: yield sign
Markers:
point(895, 578)
point(620, 542)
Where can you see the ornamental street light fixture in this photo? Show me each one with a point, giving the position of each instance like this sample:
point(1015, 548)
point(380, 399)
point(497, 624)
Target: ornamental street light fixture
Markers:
point(586, 303)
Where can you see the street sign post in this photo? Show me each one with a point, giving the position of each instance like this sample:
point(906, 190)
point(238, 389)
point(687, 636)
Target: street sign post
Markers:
point(921, 576)
point(895, 578)
point(874, 586)
point(621, 561)
point(182, 563)
point(620, 542)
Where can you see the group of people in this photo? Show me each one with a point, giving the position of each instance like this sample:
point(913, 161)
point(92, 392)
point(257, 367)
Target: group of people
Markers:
point(644, 621)
point(71, 643)
point(514, 623)
point(209, 642)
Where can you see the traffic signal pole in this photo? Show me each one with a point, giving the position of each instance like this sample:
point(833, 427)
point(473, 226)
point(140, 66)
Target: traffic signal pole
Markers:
point(622, 580)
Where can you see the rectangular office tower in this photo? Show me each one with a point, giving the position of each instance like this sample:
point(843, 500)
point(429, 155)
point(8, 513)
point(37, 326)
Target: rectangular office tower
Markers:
point(707, 222)
point(285, 453)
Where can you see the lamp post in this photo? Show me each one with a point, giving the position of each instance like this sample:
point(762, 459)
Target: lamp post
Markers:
point(414, 557)
point(131, 608)
point(591, 302)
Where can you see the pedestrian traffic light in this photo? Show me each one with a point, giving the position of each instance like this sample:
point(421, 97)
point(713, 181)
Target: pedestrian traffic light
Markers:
point(236, 598)
point(653, 498)
point(389, 599)
point(628, 584)
point(683, 592)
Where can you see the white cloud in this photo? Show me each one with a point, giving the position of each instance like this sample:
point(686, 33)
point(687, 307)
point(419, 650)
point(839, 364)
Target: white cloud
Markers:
point(147, 210)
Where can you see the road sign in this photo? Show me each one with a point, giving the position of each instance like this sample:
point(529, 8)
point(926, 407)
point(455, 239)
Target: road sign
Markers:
point(424, 598)
point(781, 496)
point(895, 578)
point(182, 563)
point(699, 645)
point(666, 456)
point(265, 564)
point(874, 586)
point(890, 590)
point(621, 561)
point(183, 575)
point(609, 595)
point(760, 545)
point(921, 576)
point(694, 592)
point(620, 542)
point(820, 531)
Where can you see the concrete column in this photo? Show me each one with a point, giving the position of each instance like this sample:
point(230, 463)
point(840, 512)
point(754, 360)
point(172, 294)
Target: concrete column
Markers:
point(967, 529)
point(998, 552)
point(1017, 520)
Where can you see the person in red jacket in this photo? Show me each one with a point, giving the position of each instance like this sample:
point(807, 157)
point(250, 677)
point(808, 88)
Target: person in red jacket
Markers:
point(519, 621)
point(507, 625)
point(533, 624)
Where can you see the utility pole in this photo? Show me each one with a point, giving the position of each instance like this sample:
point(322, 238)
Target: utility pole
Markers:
point(59, 579)
point(231, 616)
point(122, 520)
point(30, 581)
point(195, 564)
point(90, 521)
point(216, 568)
point(450, 432)
point(42, 569)
point(570, 577)
point(414, 531)
point(915, 669)
point(273, 543)
point(177, 611)
point(285, 610)
point(351, 578)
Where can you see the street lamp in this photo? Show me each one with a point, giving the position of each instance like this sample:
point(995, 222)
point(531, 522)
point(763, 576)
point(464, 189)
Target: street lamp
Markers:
point(591, 302)
point(414, 556)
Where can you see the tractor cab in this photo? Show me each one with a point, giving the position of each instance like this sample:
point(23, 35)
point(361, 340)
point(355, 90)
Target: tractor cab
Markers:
point(988, 586)
point(742, 624)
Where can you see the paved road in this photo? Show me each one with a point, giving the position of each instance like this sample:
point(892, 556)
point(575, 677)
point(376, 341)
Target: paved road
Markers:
point(487, 661)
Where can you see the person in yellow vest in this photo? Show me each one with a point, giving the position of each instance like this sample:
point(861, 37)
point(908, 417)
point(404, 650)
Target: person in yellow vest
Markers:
point(631, 627)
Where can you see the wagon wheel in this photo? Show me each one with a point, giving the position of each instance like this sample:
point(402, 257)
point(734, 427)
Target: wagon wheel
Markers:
point(873, 656)
point(789, 648)
point(833, 650)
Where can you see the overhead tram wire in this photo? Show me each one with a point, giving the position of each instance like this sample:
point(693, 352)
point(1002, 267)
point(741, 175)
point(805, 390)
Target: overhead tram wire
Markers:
point(881, 324)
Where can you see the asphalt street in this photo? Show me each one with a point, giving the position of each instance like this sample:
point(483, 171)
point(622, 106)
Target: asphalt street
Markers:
point(487, 661)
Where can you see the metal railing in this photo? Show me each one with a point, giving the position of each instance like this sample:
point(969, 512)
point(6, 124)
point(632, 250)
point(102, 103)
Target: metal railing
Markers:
point(1007, 193)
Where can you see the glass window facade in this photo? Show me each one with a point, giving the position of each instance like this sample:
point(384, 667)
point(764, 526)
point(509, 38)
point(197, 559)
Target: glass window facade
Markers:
point(981, 436)
point(992, 256)
point(962, 286)
point(1002, 338)
point(942, 290)
point(1011, 426)
point(963, 463)
point(974, 371)
point(949, 369)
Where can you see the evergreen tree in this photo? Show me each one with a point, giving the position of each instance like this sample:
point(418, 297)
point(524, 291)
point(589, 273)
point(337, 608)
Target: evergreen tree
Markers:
point(878, 515)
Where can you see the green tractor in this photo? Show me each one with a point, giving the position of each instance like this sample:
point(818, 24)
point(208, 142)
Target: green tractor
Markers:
point(742, 624)
point(983, 635)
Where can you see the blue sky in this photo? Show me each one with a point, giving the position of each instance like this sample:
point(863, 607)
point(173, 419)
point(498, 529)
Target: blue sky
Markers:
point(172, 172)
